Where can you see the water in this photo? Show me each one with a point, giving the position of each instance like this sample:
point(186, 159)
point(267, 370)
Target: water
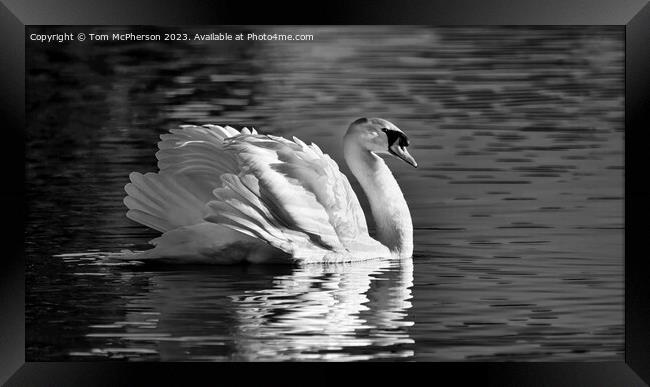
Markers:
point(517, 203)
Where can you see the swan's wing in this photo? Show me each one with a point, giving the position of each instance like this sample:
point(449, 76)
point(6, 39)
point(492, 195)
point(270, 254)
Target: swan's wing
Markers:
point(306, 166)
point(164, 202)
point(191, 160)
point(197, 151)
point(284, 192)
point(294, 197)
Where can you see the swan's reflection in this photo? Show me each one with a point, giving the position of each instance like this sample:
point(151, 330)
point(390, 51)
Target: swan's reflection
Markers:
point(325, 311)
point(355, 311)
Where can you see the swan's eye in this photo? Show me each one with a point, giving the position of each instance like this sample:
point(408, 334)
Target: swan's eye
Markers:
point(395, 136)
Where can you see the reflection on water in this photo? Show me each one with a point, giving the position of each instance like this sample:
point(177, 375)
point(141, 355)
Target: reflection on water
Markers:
point(317, 312)
point(517, 203)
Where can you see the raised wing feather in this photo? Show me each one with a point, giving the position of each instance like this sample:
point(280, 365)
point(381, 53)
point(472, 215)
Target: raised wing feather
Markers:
point(191, 160)
point(198, 151)
point(308, 167)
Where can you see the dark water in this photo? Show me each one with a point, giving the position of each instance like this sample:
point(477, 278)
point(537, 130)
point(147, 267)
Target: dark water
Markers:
point(517, 204)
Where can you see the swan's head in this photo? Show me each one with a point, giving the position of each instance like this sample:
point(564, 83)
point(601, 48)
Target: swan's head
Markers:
point(381, 137)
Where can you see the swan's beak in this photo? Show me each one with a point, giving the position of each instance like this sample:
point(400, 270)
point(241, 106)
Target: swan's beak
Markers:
point(403, 154)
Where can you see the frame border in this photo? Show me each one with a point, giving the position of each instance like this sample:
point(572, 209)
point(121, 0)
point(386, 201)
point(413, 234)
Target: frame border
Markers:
point(634, 14)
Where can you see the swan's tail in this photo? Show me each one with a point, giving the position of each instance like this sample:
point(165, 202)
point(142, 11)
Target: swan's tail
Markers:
point(163, 202)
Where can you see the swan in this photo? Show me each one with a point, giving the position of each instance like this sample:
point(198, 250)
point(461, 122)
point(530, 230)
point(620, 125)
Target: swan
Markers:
point(227, 196)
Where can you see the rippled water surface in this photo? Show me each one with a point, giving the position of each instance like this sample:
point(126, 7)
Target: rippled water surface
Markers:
point(517, 203)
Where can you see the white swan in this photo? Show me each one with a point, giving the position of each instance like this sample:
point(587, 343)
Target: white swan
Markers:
point(224, 196)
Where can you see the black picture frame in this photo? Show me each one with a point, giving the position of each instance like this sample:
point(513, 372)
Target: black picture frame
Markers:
point(15, 15)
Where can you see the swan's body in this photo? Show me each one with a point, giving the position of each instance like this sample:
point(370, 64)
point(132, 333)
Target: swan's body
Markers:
point(224, 196)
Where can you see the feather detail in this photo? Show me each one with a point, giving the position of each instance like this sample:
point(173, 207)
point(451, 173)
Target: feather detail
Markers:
point(161, 202)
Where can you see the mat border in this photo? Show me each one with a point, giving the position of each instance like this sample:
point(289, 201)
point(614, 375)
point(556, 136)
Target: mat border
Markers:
point(633, 14)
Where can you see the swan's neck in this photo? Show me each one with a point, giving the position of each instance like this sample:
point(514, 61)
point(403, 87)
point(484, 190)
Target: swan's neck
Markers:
point(387, 203)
